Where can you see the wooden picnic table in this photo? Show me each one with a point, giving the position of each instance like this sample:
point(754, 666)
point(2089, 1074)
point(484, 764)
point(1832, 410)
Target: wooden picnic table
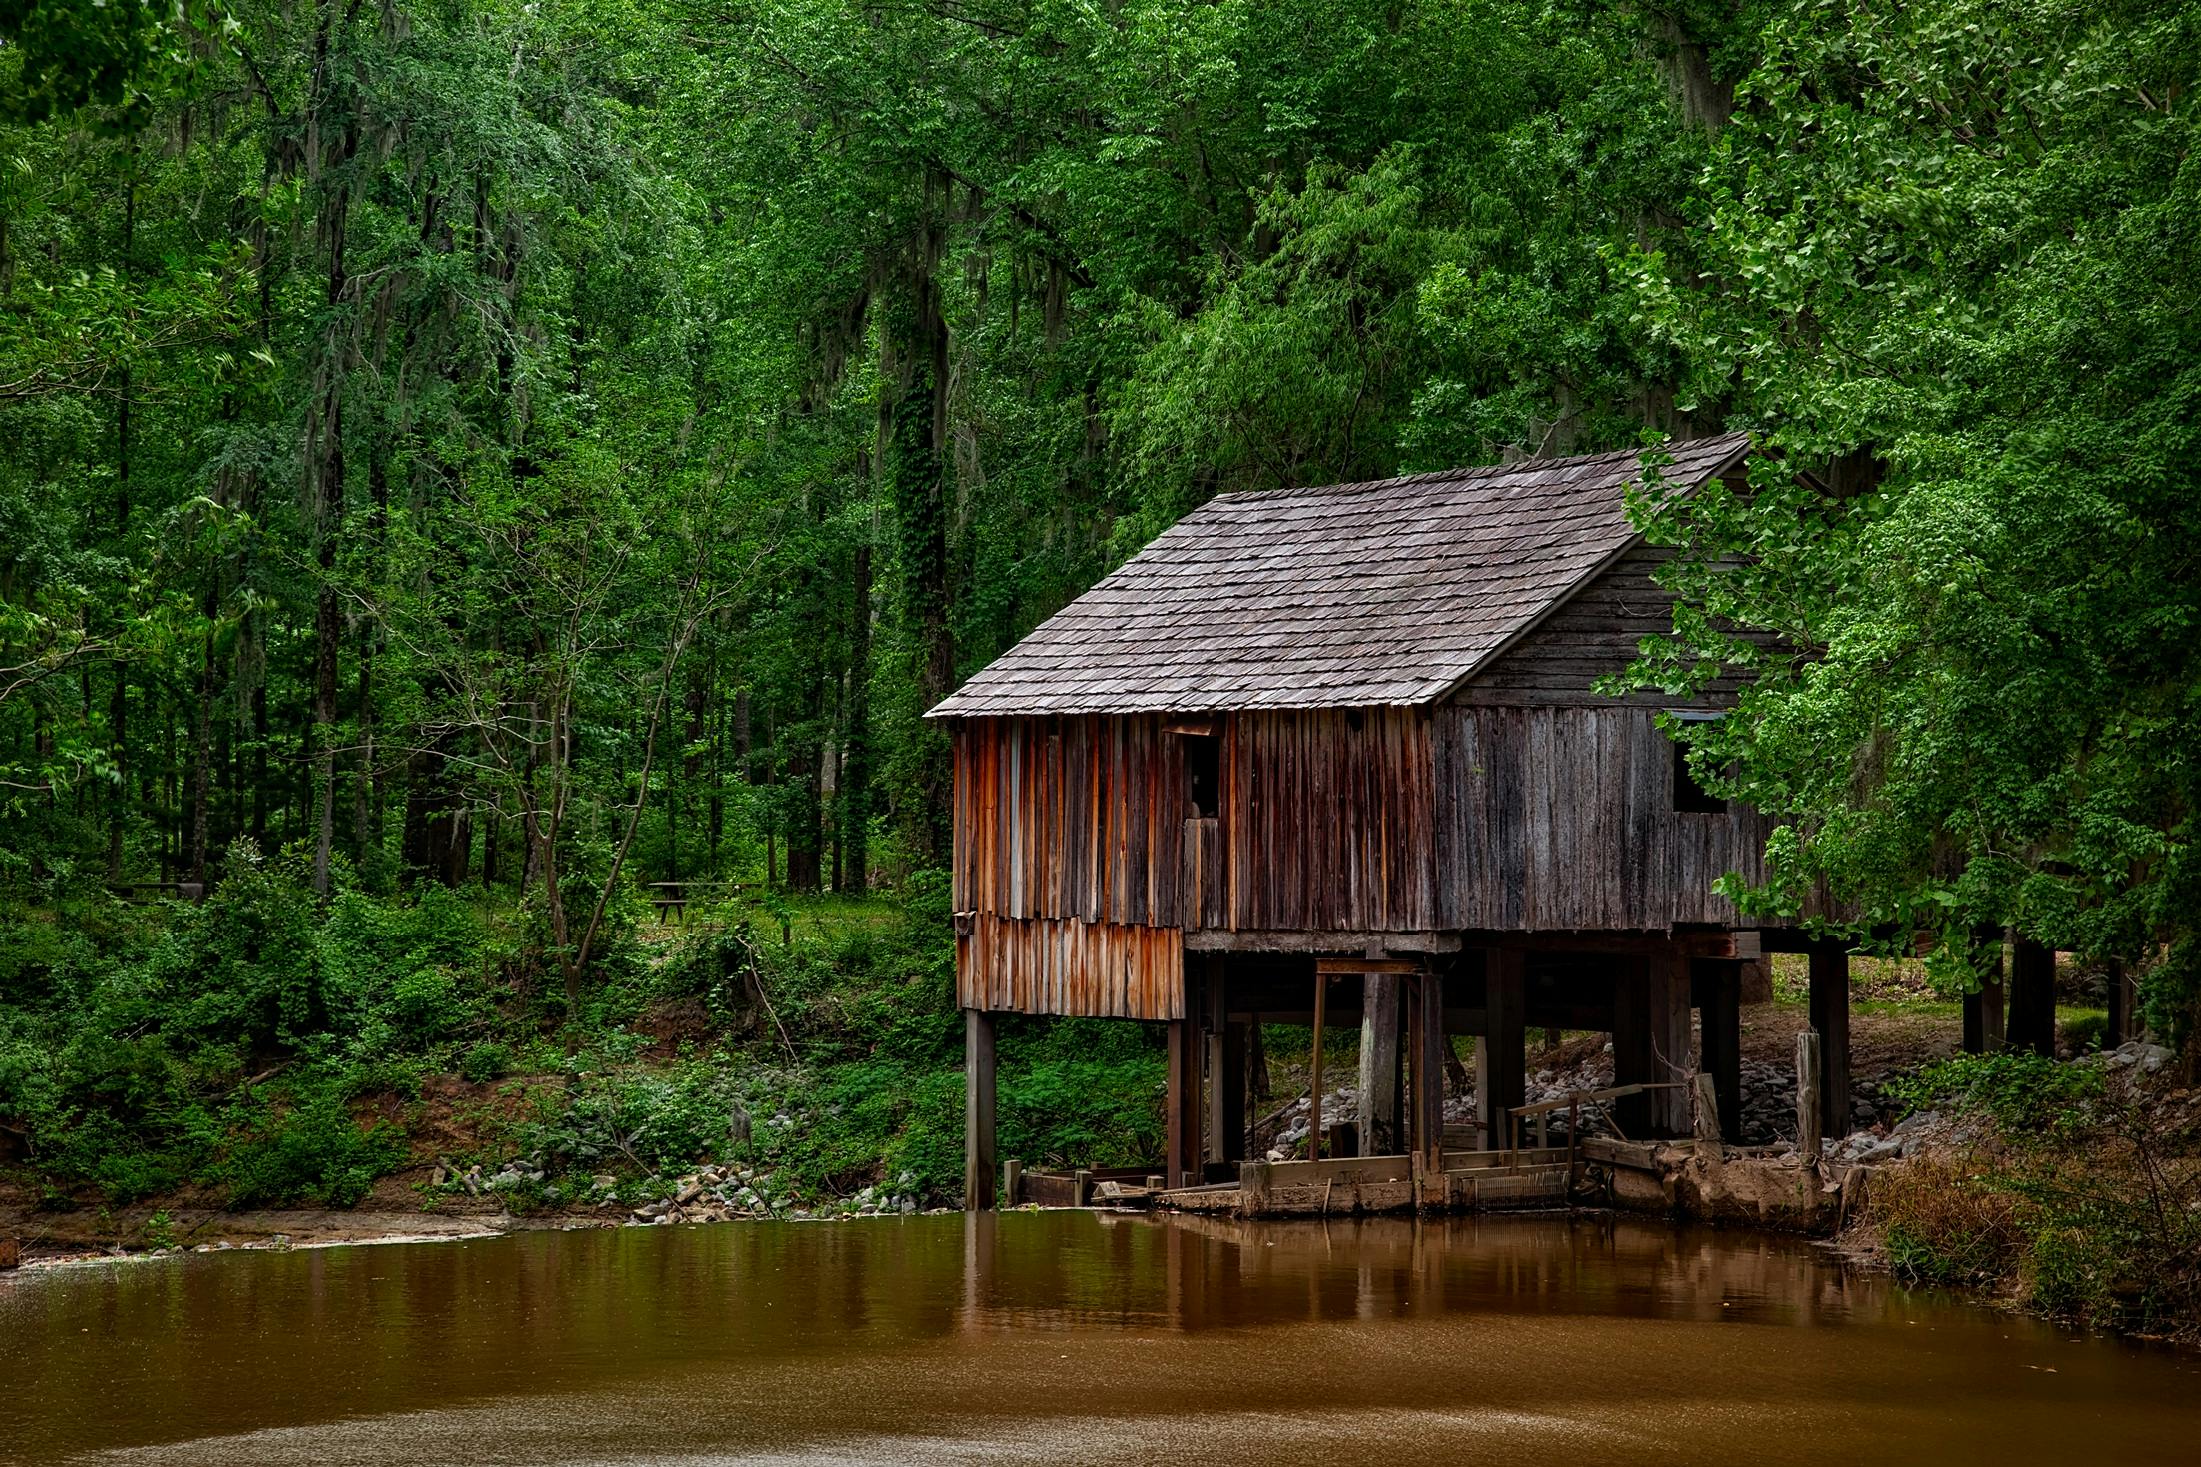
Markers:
point(672, 897)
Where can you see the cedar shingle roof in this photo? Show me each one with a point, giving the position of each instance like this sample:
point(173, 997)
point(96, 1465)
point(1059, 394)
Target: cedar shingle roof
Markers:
point(1359, 594)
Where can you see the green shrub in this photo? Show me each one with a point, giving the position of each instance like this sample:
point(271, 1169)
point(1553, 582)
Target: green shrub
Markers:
point(486, 1061)
point(309, 1151)
point(2021, 1090)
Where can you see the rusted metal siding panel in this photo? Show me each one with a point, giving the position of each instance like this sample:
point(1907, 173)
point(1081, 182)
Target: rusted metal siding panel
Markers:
point(1064, 966)
point(1562, 820)
point(1069, 818)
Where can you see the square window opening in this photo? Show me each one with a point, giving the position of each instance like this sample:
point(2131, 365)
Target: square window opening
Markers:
point(1690, 795)
point(1203, 775)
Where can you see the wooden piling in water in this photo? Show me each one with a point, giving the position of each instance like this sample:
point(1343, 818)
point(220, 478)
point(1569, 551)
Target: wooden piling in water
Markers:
point(978, 1110)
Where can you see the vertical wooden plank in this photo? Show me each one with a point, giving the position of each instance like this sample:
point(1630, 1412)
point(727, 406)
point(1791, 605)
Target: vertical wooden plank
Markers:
point(1231, 1083)
point(1667, 1016)
point(1719, 1017)
point(1983, 1027)
point(1183, 1121)
point(2123, 1010)
point(1631, 1037)
point(1808, 1105)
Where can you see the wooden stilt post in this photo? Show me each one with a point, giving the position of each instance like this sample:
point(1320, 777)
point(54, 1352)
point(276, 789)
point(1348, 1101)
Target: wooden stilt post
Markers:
point(1428, 1067)
point(1234, 1082)
point(1718, 983)
point(1631, 1033)
point(1501, 1059)
point(1666, 1017)
point(1379, 1065)
point(978, 1110)
point(2032, 997)
point(1830, 1018)
point(1220, 1084)
point(1182, 1167)
point(1314, 1070)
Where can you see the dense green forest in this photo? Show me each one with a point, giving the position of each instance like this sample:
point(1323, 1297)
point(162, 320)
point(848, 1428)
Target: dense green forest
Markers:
point(461, 463)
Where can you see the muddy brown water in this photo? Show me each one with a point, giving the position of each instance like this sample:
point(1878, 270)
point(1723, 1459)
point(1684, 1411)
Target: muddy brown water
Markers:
point(1063, 1337)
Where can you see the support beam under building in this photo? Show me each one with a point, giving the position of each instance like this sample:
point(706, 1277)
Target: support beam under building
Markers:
point(978, 1110)
point(2032, 997)
point(1501, 1058)
point(1380, 1132)
point(1230, 1084)
point(1830, 1018)
point(1651, 1043)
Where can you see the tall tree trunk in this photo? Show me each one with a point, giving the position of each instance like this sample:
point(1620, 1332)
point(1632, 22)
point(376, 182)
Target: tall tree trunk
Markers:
point(914, 457)
point(118, 706)
point(332, 227)
point(367, 778)
point(855, 784)
point(202, 741)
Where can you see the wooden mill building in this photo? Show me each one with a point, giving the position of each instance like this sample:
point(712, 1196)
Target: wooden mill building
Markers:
point(1342, 749)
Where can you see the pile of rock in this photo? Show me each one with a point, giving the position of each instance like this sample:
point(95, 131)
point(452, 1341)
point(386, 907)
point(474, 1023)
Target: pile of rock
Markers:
point(2138, 1056)
point(724, 1193)
point(1870, 1146)
point(1768, 1099)
point(526, 1170)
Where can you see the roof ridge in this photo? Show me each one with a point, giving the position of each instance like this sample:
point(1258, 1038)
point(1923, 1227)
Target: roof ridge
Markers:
point(1459, 475)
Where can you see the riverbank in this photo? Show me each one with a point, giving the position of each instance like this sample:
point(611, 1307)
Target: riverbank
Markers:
point(2070, 1190)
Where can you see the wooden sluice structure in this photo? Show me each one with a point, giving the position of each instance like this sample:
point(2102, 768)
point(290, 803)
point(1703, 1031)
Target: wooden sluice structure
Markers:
point(1338, 757)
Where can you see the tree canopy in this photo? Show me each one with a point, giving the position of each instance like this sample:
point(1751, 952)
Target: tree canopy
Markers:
point(532, 444)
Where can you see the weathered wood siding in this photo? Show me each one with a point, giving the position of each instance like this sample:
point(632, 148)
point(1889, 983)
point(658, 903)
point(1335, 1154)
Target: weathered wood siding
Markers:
point(1327, 822)
point(1049, 965)
point(1562, 819)
point(1591, 635)
point(1069, 817)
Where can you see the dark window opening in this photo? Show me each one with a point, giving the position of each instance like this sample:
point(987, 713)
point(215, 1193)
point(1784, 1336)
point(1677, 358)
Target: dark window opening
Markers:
point(1203, 774)
point(1690, 795)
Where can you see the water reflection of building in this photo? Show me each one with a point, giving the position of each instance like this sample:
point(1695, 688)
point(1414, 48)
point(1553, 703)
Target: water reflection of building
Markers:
point(1337, 756)
point(1194, 1272)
